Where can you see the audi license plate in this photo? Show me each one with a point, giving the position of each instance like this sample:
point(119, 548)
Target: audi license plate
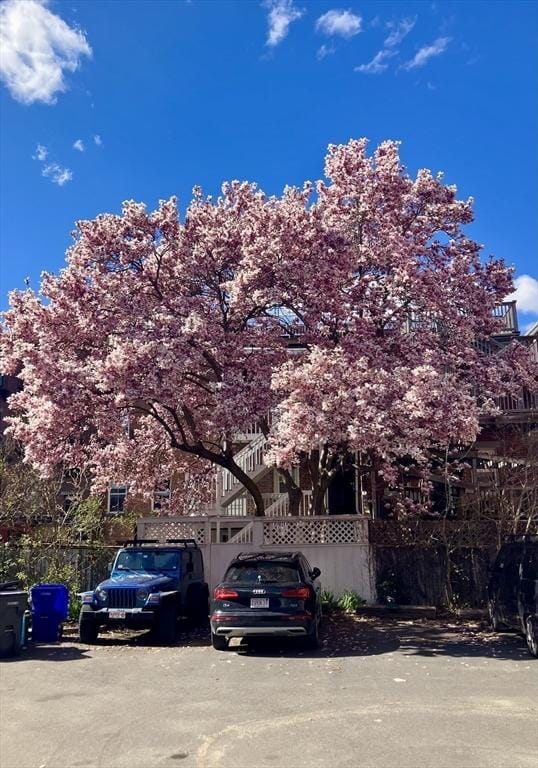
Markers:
point(259, 602)
point(114, 613)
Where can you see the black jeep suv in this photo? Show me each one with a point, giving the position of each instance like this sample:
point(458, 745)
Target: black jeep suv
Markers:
point(267, 594)
point(513, 589)
point(150, 585)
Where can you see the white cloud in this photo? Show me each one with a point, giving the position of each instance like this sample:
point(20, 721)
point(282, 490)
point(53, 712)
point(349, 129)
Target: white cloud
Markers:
point(53, 171)
point(57, 174)
point(427, 52)
point(281, 14)
point(79, 144)
point(337, 22)
point(324, 50)
point(378, 63)
point(526, 294)
point(37, 48)
point(97, 140)
point(399, 31)
point(41, 153)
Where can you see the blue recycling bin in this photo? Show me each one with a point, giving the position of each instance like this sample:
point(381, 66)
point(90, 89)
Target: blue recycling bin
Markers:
point(50, 605)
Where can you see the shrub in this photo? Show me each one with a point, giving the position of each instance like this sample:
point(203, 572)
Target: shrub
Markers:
point(389, 587)
point(350, 602)
point(329, 603)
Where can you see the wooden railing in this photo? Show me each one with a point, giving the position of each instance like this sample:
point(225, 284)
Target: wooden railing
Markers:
point(250, 459)
point(508, 314)
point(526, 401)
point(280, 505)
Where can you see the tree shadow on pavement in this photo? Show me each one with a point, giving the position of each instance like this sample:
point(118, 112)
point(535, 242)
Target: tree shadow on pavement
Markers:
point(340, 636)
point(49, 652)
point(357, 636)
point(187, 636)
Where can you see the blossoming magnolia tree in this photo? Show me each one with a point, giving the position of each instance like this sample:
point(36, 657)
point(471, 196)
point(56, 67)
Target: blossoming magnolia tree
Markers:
point(176, 324)
point(154, 319)
point(394, 298)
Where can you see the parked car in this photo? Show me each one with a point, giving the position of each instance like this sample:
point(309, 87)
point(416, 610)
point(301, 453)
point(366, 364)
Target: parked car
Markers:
point(267, 594)
point(150, 585)
point(513, 589)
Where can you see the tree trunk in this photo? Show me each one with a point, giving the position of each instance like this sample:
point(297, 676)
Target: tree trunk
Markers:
point(322, 466)
point(249, 484)
point(317, 467)
point(317, 505)
point(295, 494)
point(226, 461)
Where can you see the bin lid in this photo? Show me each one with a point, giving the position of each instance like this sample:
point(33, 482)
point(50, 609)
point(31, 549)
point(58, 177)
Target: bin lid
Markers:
point(5, 585)
point(50, 598)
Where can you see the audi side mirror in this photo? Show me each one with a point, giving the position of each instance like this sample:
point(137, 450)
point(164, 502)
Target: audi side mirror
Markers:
point(315, 573)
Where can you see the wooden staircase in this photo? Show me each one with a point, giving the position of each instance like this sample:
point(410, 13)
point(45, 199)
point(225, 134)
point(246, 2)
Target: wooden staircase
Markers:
point(251, 460)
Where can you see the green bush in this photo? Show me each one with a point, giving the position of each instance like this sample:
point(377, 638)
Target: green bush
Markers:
point(329, 603)
point(350, 602)
point(389, 588)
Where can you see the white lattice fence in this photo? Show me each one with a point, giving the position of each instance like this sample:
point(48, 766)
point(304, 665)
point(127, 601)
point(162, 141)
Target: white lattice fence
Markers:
point(291, 532)
point(163, 528)
point(337, 545)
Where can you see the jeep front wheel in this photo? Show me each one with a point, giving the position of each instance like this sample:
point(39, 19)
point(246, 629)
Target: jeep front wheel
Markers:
point(167, 625)
point(87, 629)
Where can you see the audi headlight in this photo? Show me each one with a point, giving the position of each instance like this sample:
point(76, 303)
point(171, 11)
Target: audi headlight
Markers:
point(101, 595)
point(142, 594)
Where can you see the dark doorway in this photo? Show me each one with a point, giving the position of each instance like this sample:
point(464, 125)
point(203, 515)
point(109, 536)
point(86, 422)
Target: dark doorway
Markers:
point(341, 493)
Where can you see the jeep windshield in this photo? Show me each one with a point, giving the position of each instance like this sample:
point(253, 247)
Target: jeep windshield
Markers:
point(147, 560)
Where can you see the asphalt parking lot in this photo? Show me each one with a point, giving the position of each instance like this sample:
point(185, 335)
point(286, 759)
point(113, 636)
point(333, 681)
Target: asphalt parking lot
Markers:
point(378, 694)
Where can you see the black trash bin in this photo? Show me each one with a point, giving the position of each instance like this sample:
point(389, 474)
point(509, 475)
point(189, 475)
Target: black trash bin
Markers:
point(50, 606)
point(14, 618)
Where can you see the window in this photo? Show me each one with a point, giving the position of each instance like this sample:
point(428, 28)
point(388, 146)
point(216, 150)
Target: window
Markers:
point(147, 560)
point(263, 573)
point(161, 495)
point(116, 498)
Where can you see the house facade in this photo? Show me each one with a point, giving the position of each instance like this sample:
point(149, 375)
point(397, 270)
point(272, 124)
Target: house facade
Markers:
point(357, 489)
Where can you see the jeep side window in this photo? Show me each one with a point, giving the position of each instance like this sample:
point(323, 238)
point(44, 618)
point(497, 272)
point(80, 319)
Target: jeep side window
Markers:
point(198, 567)
point(188, 564)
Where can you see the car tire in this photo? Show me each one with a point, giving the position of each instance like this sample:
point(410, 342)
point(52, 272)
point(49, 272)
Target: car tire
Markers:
point(167, 625)
point(312, 639)
point(88, 630)
point(531, 634)
point(218, 642)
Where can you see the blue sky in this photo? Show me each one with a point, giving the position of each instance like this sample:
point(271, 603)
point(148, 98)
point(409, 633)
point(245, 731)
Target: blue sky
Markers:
point(166, 95)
